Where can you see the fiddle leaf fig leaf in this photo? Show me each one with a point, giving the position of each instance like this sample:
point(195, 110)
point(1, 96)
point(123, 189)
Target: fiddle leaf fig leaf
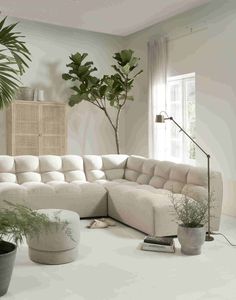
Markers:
point(126, 69)
point(74, 99)
point(66, 76)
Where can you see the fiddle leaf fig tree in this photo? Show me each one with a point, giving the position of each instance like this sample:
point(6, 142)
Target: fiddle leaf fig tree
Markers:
point(108, 91)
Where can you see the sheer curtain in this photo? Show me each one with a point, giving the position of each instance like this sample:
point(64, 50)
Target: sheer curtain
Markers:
point(157, 73)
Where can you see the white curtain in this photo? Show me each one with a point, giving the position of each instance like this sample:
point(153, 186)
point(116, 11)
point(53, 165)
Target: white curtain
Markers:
point(157, 72)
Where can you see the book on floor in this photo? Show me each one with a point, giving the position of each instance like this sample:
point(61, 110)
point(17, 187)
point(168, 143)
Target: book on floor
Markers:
point(158, 244)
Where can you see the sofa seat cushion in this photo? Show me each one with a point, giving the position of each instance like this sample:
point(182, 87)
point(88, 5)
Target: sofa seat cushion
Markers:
point(125, 182)
point(105, 182)
point(143, 207)
point(38, 195)
point(12, 192)
point(87, 199)
point(165, 219)
point(151, 189)
point(132, 206)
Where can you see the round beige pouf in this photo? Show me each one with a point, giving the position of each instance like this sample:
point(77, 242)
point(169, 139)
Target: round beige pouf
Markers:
point(59, 243)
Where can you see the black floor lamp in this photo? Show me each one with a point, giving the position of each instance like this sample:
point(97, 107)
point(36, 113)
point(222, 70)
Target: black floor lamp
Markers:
point(161, 118)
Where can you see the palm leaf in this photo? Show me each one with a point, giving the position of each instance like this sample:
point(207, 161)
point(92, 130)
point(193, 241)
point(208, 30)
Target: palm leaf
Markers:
point(13, 61)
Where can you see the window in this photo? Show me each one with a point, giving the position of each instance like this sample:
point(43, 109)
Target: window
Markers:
point(180, 104)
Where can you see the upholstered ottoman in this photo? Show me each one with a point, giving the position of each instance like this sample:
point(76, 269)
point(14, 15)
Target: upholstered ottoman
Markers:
point(59, 243)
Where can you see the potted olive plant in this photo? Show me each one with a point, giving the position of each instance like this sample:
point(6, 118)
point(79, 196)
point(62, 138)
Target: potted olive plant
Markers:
point(16, 222)
point(192, 216)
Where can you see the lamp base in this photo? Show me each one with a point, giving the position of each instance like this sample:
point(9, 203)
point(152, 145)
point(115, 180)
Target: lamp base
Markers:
point(209, 238)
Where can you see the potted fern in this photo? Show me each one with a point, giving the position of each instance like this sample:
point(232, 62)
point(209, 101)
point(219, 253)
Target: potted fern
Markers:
point(16, 222)
point(192, 216)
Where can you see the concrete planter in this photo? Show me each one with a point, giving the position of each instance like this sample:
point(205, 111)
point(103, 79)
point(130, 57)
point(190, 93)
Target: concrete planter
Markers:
point(7, 259)
point(191, 239)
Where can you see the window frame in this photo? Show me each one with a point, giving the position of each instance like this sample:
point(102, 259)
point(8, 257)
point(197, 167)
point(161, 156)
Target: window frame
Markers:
point(185, 142)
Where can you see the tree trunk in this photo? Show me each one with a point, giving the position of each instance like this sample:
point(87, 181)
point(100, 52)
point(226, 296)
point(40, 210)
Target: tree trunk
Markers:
point(117, 140)
point(115, 127)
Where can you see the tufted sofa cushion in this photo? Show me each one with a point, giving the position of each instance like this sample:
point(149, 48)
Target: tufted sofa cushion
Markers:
point(103, 167)
point(134, 167)
point(94, 168)
point(180, 179)
point(27, 169)
point(139, 169)
point(46, 168)
point(73, 168)
point(7, 169)
point(51, 168)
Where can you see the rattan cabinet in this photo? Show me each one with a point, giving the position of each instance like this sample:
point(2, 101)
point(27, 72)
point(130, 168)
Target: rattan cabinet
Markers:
point(36, 128)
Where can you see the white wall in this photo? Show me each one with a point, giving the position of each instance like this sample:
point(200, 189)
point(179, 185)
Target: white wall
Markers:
point(211, 54)
point(88, 130)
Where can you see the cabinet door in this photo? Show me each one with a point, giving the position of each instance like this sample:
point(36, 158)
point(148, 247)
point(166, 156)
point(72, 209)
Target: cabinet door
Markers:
point(52, 129)
point(25, 129)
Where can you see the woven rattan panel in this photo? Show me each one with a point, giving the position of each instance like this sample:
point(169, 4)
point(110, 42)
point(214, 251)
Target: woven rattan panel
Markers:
point(53, 120)
point(26, 119)
point(26, 144)
point(36, 128)
point(53, 145)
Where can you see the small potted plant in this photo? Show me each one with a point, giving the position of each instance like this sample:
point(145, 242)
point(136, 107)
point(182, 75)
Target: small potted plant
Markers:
point(192, 216)
point(16, 222)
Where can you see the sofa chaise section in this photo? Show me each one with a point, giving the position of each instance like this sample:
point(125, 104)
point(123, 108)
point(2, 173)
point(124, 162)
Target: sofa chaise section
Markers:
point(142, 197)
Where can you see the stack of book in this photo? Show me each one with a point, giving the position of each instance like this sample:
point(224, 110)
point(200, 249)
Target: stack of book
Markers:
point(159, 244)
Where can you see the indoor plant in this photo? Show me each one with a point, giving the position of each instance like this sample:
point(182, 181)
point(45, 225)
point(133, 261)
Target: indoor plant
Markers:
point(110, 90)
point(16, 222)
point(13, 61)
point(192, 216)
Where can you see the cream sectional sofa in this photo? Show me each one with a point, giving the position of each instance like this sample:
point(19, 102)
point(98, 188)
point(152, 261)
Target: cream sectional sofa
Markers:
point(130, 189)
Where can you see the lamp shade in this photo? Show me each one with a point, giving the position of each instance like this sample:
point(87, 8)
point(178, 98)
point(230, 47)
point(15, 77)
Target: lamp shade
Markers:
point(160, 119)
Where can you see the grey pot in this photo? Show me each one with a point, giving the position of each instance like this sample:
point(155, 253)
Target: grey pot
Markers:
point(7, 260)
point(191, 239)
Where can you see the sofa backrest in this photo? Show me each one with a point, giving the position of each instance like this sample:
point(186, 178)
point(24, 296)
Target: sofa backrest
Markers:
point(139, 169)
point(178, 178)
point(27, 168)
point(110, 167)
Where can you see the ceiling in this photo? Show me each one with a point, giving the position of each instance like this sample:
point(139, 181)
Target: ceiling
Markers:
point(118, 17)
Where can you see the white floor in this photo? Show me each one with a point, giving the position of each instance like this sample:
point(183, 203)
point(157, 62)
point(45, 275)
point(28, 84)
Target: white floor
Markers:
point(111, 266)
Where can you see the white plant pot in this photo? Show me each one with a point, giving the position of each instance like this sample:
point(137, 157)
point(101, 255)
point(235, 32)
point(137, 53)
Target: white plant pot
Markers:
point(191, 239)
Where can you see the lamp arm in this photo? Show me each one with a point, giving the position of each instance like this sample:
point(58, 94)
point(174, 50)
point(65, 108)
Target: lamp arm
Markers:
point(171, 118)
point(208, 236)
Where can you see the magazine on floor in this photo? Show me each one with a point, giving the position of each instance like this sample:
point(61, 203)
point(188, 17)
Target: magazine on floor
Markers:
point(158, 244)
